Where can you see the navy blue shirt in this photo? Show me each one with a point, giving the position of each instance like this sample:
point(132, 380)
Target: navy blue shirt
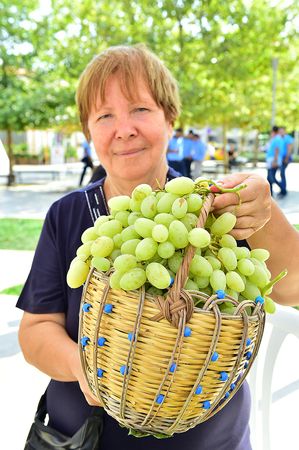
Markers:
point(46, 291)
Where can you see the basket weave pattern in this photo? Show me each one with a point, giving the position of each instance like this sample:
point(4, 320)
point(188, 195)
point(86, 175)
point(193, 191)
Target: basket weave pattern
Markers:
point(161, 375)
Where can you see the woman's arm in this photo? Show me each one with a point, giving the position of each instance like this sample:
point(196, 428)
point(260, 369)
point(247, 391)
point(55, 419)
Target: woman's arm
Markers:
point(282, 240)
point(47, 346)
point(262, 223)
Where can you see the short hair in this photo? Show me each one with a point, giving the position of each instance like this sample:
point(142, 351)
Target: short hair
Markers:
point(130, 63)
point(179, 130)
point(275, 129)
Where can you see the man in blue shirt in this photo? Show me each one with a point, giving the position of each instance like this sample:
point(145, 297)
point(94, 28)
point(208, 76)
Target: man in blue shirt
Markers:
point(198, 155)
point(187, 152)
point(175, 152)
point(274, 157)
point(288, 142)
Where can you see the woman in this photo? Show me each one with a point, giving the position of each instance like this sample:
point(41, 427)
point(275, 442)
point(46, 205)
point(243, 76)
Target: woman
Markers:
point(128, 103)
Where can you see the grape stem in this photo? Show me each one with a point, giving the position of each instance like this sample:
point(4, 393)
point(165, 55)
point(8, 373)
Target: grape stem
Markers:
point(223, 190)
point(272, 282)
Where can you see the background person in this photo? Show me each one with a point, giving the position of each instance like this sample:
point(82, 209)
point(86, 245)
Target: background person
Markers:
point(288, 143)
point(86, 159)
point(175, 151)
point(199, 149)
point(274, 157)
point(129, 116)
point(187, 152)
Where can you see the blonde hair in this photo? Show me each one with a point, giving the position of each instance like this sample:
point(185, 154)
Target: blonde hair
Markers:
point(130, 63)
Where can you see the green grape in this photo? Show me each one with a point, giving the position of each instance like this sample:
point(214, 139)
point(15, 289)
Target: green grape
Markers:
point(129, 246)
point(223, 224)
point(135, 205)
point(218, 280)
point(101, 220)
point(245, 266)
point(117, 240)
point(110, 228)
point(232, 293)
point(152, 290)
point(202, 282)
point(199, 237)
point(228, 241)
point(228, 258)
point(227, 308)
point(260, 253)
point(146, 249)
point(116, 252)
point(89, 234)
point(133, 217)
point(158, 275)
point(207, 290)
point(180, 186)
point(119, 203)
point(159, 194)
point(215, 263)
point(144, 227)
point(241, 275)
point(241, 252)
point(234, 281)
point(149, 206)
point(84, 250)
point(164, 219)
point(190, 221)
point(100, 263)
point(194, 202)
point(102, 246)
point(178, 234)
point(179, 207)
point(200, 267)
point(125, 262)
point(165, 202)
point(175, 261)
point(210, 220)
point(122, 217)
point(251, 291)
point(166, 250)
point(141, 191)
point(190, 285)
point(259, 277)
point(269, 305)
point(77, 273)
point(198, 251)
point(133, 279)
point(114, 280)
point(129, 233)
point(160, 233)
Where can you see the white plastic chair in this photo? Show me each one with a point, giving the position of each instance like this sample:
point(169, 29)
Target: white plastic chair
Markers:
point(283, 322)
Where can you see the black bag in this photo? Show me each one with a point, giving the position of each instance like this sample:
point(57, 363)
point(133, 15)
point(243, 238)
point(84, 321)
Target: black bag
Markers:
point(42, 437)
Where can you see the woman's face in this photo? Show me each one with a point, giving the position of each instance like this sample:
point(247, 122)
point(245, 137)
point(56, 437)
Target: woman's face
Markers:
point(130, 137)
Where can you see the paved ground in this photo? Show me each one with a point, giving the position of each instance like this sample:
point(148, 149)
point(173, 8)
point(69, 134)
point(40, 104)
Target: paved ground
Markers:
point(21, 385)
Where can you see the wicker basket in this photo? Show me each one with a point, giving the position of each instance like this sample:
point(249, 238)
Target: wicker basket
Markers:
point(153, 372)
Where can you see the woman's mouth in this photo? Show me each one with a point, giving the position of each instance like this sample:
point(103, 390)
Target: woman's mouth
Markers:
point(130, 152)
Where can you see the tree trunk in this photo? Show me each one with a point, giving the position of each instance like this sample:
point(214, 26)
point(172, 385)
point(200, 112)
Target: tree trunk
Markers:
point(11, 176)
point(256, 150)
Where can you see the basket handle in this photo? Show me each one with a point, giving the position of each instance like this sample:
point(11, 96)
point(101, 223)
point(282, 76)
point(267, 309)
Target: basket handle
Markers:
point(177, 300)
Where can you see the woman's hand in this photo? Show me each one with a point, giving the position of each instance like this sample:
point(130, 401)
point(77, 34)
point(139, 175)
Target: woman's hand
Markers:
point(255, 208)
point(78, 372)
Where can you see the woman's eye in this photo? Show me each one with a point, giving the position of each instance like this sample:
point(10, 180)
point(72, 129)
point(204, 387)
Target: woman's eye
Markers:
point(104, 116)
point(141, 109)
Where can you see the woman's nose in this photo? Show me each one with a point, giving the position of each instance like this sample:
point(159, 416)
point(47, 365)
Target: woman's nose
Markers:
point(125, 128)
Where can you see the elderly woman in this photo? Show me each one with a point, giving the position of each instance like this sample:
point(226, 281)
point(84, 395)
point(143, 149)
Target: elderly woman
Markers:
point(128, 102)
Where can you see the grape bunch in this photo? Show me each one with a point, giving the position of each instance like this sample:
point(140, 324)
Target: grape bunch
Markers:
point(146, 236)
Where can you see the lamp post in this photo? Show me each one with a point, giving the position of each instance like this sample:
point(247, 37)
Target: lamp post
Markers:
point(274, 84)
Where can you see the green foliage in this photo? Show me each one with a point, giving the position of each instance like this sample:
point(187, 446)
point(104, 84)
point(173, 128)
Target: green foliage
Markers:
point(19, 234)
point(220, 53)
point(13, 290)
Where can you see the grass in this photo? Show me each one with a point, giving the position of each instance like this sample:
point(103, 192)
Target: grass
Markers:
point(13, 290)
point(19, 234)
point(297, 226)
